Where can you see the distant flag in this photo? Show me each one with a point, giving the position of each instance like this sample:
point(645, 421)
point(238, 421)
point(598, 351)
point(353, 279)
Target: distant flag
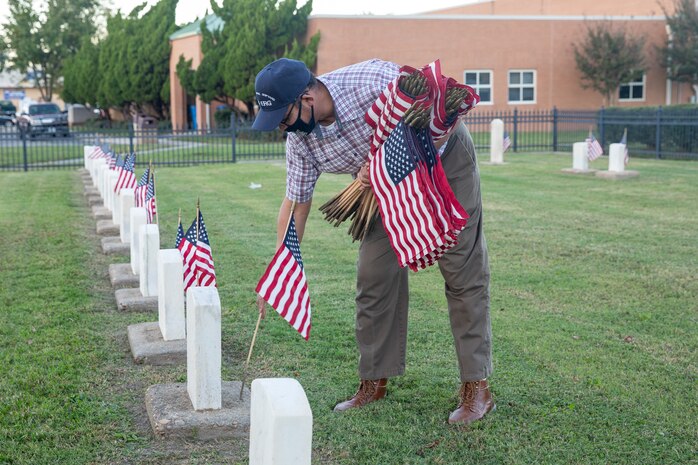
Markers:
point(141, 188)
point(187, 248)
point(507, 141)
point(112, 160)
point(284, 286)
point(205, 271)
point(118, 164)
point(96, 152)
point(150, 205)
point(624, 141)
point(594, 149)
point(127, 178)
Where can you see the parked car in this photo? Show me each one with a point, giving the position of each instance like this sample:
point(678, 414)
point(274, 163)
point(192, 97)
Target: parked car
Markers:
point(7, 113)
point(43, 118)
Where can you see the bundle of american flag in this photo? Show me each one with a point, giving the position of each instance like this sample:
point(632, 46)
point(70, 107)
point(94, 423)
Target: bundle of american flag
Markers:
point(419, 211)
point(197, 259)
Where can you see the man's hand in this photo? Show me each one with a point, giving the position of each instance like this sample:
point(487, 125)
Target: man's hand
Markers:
point(261, 306)
point(363, 178)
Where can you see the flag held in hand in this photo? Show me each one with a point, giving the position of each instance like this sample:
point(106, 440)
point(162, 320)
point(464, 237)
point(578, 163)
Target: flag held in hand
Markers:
point(283, 285)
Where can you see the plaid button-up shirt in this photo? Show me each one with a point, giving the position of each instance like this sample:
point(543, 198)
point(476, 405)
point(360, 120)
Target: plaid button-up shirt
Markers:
point(343, 146)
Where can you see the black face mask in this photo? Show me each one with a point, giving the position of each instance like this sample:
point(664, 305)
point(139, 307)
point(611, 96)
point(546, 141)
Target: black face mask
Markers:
point(300, 125)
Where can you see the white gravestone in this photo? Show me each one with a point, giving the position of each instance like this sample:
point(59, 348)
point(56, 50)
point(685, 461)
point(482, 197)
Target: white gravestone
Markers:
point(138, 219)
point(616, 158)
point(111, 196)
point(204, 348)
point(87, 151)
point(497, 141)
point(101, 181)
point(580, 156)
point(99, 162)
point(149, 244)
point(281, 423)
point(127, 201)
point(171, 295)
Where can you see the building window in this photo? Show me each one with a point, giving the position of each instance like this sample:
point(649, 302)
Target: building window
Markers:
point(481, 81)
point(633, 91)
point(522, 86)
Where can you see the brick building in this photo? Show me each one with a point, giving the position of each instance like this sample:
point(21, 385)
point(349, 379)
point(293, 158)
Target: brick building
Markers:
point(516, 53)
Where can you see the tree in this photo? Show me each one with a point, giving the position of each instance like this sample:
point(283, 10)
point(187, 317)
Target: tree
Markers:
point(129, 68)
point(40, 41)
point(255, 32)
point(680, 55)
point(607, 58)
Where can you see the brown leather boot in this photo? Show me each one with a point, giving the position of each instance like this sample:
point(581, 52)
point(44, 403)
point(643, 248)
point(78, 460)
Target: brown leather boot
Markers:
point(475, 402)
point(369, 390)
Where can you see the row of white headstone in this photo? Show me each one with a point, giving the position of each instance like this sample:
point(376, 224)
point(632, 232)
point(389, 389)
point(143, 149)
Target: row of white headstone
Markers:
point(580, 156)
point(280, 415)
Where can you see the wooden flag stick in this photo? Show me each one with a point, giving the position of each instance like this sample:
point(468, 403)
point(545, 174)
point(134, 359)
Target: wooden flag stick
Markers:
point(249, 354)
point(259, 318)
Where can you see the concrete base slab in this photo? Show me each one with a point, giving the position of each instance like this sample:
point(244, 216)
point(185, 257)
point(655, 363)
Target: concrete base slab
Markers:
point(112, 245)
point(171, 413)
point(100, 212)
point(576, 171)
point(121, 276)
point(91, 190)
point(131, 300)
point(107, 228)
point(148, 346)
point(94, 200)
point(614, 175)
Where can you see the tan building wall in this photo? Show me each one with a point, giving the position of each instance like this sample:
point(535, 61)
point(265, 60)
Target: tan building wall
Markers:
point(497, 36)
point(488, 43)
point(561, 8)
point(190, 48)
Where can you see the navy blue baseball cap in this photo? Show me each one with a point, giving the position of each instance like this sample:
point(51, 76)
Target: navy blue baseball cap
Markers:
point(278, 85)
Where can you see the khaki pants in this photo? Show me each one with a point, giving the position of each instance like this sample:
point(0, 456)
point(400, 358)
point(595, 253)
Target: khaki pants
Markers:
point(382, 289)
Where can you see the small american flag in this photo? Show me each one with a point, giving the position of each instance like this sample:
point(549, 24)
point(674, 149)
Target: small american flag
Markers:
point(119, 163)
point(96, 153)
point(624, 141)
point(205, 271)
point(507, 141)
point(127, 178)
point(141, 188)
point(187, 248)
point(150, 204)
point(594, 149)
point(112, 160)
point(284, 286)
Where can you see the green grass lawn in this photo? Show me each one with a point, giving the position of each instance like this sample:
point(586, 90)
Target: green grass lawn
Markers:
point(594, 314)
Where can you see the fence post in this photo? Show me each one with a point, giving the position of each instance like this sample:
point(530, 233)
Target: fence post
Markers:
point(24, 148)
point(232, 134)
point(130, 137)
point(516, 132)
point(554, 129)
point(658, 135)
point(602, 127)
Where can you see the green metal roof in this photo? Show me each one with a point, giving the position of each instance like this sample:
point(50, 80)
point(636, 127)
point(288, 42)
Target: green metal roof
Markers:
point(213, 23)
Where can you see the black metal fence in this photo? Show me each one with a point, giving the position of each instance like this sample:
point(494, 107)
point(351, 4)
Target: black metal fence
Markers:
point(656, 133)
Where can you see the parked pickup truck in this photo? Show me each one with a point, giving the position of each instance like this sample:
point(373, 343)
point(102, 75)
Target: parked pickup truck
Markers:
point(7, 113)
point(43, 118)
